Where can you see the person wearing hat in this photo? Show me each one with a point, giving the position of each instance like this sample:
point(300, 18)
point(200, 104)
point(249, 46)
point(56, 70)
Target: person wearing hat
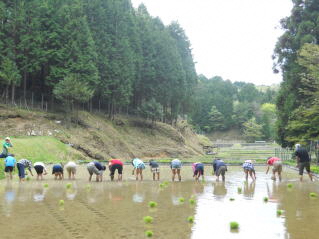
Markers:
point(5, 148)
point(303, 161)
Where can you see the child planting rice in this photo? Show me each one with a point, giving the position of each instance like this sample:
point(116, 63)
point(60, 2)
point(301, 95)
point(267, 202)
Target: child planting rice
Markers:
point(155, 169)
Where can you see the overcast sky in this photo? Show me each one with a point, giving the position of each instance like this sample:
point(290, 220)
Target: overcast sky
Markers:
point(230, 38)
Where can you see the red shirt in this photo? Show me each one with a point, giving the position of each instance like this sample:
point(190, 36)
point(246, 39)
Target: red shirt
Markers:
point(272, 160)
point(116, 161)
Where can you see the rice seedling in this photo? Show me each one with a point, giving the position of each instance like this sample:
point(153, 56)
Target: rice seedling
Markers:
point(266, 199)
point(148, 219)
point(152, 204)
point(190, 219)
point(181, 200)
point(239, 189)
point(313, 195)
point(61, 203)
point(148, 233)
point(234, 225)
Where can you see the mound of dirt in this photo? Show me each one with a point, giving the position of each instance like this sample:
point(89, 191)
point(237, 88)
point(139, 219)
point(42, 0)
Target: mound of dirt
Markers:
point(97, 137)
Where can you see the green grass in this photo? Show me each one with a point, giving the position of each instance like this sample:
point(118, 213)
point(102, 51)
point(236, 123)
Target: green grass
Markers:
point(45, 149)
point(1, 170)
point(234, 225)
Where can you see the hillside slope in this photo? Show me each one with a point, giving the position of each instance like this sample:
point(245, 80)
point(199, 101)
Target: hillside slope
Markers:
point(97, 137)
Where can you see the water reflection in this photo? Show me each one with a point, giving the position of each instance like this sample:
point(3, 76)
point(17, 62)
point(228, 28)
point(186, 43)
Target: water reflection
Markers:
point(39, 194)
point(249, 189)
point(9, 198)
point(139, 195)
point(220, 190)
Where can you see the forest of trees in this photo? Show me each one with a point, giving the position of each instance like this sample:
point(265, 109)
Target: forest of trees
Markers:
point(297, 56)
point(103, 54)
point(222, 105)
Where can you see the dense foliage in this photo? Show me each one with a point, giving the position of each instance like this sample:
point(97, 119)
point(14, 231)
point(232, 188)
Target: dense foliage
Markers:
point(123, 59)
point(222, 105)
point(296, 54)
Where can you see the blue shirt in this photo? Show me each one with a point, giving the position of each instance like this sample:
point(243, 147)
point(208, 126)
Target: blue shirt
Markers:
point(98, 166)
point(217, 164)
point(10, 161)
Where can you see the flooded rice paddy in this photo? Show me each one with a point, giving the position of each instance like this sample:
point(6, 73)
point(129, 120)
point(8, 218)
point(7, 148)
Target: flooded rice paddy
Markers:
point(116, 209)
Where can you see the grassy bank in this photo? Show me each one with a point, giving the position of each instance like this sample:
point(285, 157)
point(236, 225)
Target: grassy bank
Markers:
point(46, 149)
point(314, 167)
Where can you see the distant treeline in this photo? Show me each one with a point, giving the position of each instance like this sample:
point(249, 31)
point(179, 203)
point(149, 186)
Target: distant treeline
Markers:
point(103, 53)
point(222, 105)
point(297, 56)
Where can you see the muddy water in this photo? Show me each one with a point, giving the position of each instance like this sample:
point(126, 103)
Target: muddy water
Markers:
point(116, 210)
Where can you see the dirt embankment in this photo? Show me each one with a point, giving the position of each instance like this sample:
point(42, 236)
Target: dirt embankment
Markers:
point(97, 137)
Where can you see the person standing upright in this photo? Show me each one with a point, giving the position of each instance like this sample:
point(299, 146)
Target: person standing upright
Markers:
point(303, 161)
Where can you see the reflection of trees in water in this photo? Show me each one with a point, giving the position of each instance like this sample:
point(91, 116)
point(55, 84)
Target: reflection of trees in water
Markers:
point(249, 189)
point(219, 190)
point(301, 213)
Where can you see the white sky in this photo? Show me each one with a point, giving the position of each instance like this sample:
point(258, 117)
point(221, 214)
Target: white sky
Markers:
point(230, 38)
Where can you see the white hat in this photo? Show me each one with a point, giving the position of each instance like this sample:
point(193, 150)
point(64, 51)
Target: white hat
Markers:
point(7, 138)
point(297, 146)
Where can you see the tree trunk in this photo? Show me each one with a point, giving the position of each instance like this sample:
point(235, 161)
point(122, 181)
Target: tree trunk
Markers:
point(7, 94)
point(13, 94)
point(25, 87)
point(42, 102)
